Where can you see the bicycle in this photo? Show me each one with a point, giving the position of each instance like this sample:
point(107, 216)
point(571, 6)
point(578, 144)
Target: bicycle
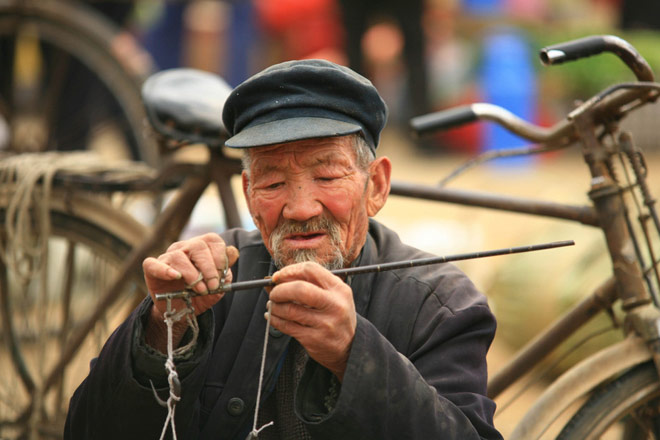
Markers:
point(41, 348)
point(170, 98)
point(628, 368)
point(70, 76)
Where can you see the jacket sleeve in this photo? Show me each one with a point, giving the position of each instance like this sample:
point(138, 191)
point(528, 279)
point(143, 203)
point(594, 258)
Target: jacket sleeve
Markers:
point(116, 399)
point(435, 391)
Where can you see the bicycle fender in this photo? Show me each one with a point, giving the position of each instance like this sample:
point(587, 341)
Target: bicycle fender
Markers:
point(578, 381)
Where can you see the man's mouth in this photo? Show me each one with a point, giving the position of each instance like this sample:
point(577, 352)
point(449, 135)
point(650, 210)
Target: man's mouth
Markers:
point(305, 239)
point(315, 240)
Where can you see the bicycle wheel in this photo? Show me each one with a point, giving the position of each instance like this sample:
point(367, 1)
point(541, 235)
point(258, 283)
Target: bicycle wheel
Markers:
point(41, 316)
point(70, 80)
point(626, 408)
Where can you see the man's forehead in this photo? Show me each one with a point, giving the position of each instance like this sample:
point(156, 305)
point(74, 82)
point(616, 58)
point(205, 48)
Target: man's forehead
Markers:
point(310, 152)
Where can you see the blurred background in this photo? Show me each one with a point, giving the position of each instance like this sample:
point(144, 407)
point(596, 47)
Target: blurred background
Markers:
point(423, 56)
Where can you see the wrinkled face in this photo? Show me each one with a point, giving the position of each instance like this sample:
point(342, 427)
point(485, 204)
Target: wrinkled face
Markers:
point(310, 200)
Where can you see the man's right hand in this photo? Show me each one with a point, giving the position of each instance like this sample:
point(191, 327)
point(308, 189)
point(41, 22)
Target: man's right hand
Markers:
point(180, 266)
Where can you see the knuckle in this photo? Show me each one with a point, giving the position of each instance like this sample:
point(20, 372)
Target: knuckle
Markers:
point(280, 324)
point(177, 245)
point(147, 262)
point(308, 267)
point(296, 313)
point(212, 236)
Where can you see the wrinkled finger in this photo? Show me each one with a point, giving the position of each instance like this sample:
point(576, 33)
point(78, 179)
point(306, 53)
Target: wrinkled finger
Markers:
point(298, 313)
point(199, 278)
point(181, 262)
point(232, 255)
point(310, 272)
point(290, 328)
point(201, 255)
point(300, 292)
point(156, 269)
point(223, 257)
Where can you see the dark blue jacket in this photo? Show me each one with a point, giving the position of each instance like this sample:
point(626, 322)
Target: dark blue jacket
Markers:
point(417, 366)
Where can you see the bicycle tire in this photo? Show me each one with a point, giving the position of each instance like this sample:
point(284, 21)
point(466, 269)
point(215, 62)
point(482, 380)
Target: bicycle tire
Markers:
point(626, 406)
point(83, 42)
point(98, 235)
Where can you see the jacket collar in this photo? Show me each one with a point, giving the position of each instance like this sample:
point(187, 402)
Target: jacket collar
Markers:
point(361, 284)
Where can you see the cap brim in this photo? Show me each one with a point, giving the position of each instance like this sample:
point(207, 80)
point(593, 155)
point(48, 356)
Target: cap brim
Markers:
point(289, 130)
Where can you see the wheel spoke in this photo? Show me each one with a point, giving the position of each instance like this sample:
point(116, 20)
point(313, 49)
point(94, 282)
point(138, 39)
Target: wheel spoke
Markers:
point(11, 340)
point(65, 311)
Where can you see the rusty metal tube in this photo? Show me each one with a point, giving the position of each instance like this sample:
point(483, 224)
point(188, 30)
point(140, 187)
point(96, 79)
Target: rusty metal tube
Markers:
point(535, 350)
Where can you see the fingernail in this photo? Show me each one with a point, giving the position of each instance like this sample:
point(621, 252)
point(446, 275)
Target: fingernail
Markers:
point(175, 274)
point(214, 283)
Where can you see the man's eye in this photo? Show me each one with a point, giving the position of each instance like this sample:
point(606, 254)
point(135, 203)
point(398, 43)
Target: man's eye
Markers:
point(274, 185)
point(326, 178)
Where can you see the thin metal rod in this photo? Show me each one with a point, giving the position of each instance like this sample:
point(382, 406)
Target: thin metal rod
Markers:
point(244, 285)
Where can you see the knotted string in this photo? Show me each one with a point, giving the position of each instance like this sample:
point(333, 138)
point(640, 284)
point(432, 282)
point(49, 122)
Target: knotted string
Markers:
point(254, 434)
point(171, 316)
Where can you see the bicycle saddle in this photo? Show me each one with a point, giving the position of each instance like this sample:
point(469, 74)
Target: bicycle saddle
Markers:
point(186, 104)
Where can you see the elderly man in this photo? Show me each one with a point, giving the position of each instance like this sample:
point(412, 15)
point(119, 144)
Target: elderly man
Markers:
point(393, 355)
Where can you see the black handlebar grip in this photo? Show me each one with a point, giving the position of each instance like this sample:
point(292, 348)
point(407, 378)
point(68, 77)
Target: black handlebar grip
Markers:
point(594, 45)
point(573, 50)
point(443, 120)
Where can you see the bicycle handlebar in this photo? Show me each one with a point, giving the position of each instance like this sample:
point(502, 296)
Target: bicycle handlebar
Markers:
point(594, 45)
point(556, 54)
point(453, 117)
point(458, 116)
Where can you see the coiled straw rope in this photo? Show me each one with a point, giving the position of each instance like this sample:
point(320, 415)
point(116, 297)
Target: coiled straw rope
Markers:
point(26, 180)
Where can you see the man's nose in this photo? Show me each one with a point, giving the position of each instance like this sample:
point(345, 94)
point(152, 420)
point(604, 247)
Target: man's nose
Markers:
point(302, 203)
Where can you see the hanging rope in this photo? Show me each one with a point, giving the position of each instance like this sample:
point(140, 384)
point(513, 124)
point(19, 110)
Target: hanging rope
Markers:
point(255, 432)
point(27, 182)
point(170, 317)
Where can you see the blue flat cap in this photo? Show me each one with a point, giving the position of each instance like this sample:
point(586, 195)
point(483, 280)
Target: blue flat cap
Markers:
point(305, 99)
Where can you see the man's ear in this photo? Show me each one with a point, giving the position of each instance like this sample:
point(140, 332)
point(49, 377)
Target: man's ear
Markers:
point(380, 171)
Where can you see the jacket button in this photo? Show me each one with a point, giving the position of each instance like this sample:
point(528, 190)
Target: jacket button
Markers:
point(275, 333)
point(235, 406)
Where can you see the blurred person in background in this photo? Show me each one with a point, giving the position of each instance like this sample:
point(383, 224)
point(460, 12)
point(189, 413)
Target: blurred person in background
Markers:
point(359, 15)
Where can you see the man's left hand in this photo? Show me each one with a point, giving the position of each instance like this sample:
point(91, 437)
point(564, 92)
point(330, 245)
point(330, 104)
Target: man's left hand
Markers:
point(315, 307)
